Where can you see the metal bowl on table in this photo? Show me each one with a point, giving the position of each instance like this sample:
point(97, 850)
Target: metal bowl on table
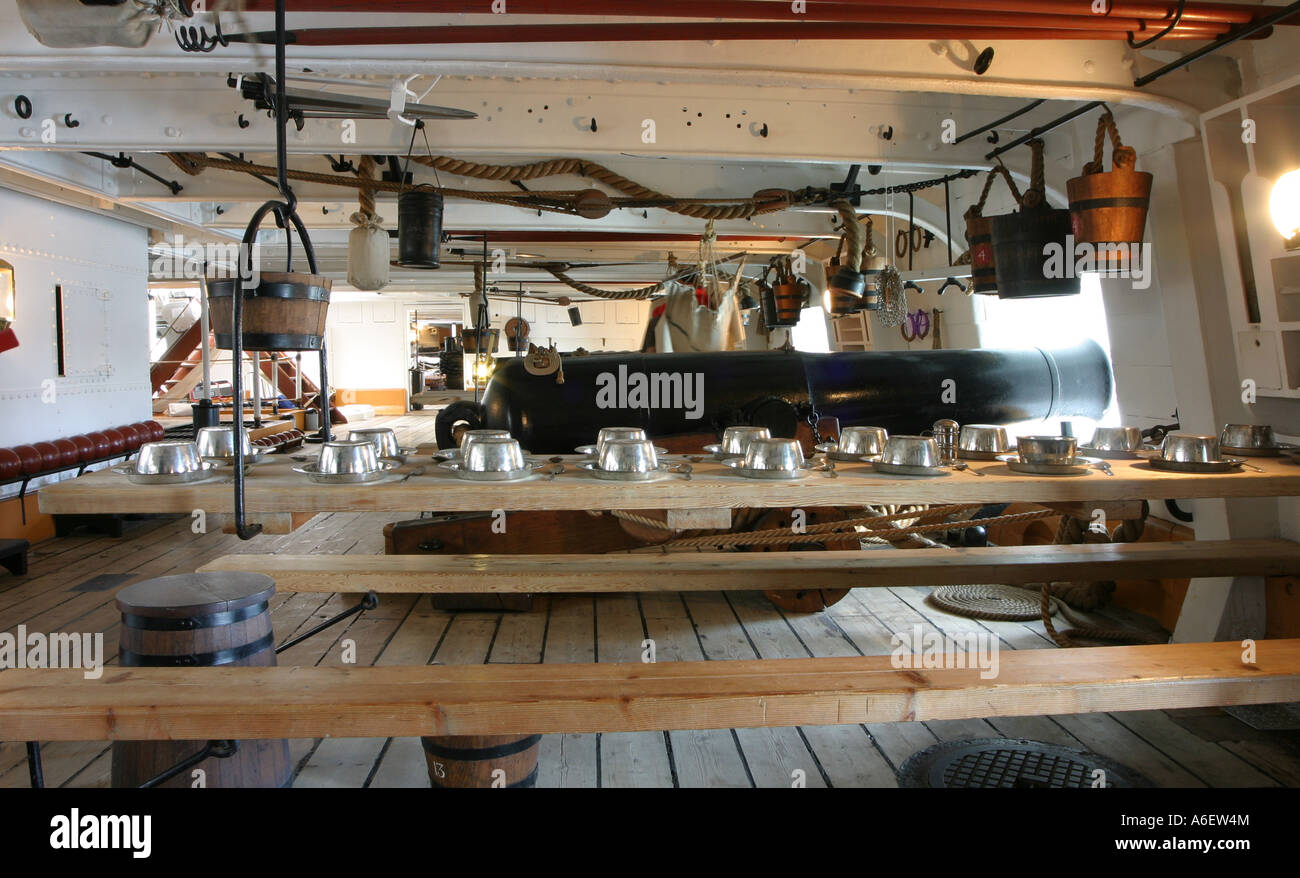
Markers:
point(771, 459)
point(492, 459)
point(384, 439)
point(982, 441)
point(170, 462)
point(1114, 442)
point(626, 460)
point(735, 440)
point(1252, 440)
point(855, 443)
point(1193, 453)
point(910, 456)
point(1059, 450)
point(347, 461)
point(217, 444)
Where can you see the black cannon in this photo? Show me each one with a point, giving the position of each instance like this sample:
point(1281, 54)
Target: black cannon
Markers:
point(678, 394)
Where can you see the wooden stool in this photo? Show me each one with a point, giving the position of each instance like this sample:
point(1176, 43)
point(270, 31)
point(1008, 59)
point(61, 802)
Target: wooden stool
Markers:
point(473, 760)
point(13, 555)
point(191, 620)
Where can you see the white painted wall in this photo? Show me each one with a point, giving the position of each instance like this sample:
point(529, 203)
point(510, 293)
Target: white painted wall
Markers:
point(101, 264)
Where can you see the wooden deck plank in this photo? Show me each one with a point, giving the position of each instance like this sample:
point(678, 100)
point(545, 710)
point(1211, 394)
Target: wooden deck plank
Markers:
point(569, 760)
point(628, 758)
point(242, 702)
point(697, 571)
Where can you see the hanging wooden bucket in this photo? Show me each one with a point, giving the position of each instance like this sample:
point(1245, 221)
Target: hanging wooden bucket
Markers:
point(482, 761)
point(285, 312)
point(199, 620)
point(979, 236)
point(480, 341)
point(1109, 209)
point(1022, 243)
point(419, 227)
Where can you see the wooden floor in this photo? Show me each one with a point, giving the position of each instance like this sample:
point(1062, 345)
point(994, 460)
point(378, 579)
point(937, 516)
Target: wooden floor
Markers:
point(1193, 748)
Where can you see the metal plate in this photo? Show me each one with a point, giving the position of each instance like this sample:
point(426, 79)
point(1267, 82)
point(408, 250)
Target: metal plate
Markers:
point(902, 469)
point(309, 470)
point(201, 475)
point(831, 450)
point(779, 475)
point(476, 476)
point(1227, 465)
point(1080, 466)
point(653, 476)
point(983, 455)
point(1274, 451)
point(590, 450)
point(1008, 763)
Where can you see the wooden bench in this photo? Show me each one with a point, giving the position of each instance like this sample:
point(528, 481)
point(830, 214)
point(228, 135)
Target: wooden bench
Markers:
point(712, 571)
point(295, 702)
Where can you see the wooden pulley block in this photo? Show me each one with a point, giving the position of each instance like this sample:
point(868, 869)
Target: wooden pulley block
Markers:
point(811, 599)
point(592, 204)
point(773, 199)
point(517, 327)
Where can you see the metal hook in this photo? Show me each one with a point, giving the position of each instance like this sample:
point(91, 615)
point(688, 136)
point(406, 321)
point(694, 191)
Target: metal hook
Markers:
point(69, 121)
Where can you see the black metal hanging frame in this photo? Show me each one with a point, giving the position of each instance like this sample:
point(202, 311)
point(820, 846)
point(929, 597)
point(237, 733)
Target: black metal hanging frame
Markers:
point(286, 215)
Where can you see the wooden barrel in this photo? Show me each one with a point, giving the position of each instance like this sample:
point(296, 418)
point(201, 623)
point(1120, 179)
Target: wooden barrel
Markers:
point(193, 620)
point(787, 299)
point(979, 236)
point(1020, 242)
point(284, 312)
point(471, 761)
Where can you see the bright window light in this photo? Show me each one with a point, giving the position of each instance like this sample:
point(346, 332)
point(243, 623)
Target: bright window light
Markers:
point(1051, 322)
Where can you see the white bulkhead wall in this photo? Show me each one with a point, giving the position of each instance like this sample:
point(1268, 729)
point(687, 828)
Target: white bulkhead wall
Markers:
point(101, 265)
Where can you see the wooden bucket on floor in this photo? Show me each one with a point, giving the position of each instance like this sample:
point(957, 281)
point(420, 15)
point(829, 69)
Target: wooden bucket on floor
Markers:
point(482, 761)
point(199, 620)
point(284, 312)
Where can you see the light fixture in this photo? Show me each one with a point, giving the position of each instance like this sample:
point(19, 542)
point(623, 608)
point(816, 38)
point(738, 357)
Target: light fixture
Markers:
point(1284, 207)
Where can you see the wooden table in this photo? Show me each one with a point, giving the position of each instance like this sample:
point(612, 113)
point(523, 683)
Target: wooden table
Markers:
point(273, 487)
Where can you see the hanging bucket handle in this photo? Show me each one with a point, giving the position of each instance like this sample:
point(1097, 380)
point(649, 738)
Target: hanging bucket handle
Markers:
point(1036, 194)
point(994, 173)
point(854, 233)
point(1122, 158)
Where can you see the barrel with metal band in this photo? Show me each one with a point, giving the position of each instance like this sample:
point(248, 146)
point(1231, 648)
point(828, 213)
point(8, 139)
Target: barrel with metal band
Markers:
point(199, 620)
point(1108, 209)
point(285, 311)
point(979, 235)
point(1023, 243)
point(480, 761)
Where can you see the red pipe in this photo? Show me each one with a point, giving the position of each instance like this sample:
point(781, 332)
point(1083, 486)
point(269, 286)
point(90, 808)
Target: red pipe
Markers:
point(535, 236)
point(1212, 13)
point(661, 32)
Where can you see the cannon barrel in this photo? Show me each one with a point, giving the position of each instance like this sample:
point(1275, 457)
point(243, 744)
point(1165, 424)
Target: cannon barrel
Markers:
point(903, 391)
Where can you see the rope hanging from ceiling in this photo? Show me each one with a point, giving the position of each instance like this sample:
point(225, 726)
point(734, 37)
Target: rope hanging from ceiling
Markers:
point(561, 201)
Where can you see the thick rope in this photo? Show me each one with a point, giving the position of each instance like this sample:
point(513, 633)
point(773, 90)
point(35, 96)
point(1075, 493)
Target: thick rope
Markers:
point(994, 173)
point(1036, 194)
point(783, 536)
point(639, 293)
point(742, 209)
point(854, 233)
point(1121, 156)
point(558, 201)
point(366, 195)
